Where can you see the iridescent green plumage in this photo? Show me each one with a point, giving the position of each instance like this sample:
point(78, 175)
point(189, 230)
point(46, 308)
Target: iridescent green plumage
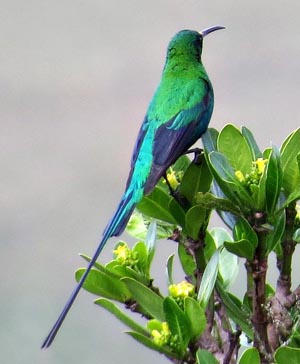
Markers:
point(177, 116)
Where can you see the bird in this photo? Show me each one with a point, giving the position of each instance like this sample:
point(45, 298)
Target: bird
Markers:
point(177, 116)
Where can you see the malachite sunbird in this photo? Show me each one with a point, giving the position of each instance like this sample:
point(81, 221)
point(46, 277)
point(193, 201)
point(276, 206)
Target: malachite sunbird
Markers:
point(176, 118)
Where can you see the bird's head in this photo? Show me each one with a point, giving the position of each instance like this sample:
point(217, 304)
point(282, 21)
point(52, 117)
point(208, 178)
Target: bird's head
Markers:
point(189, 42)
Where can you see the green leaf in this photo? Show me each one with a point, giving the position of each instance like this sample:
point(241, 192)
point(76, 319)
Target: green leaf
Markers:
point(115, 268)
point(228, 267)
point(210, 246)
point(292, 197)
point(96, 265)
point(273, 180)
point(109, 306)
point(177, 212)
point(209, 201)
point(209, 140)
point(274, 237)
point(285, 353)
point(138, 227)
point(197, 178)
point(242, 248)
point(181, 164)
point(170, 269)
point(243, 230)
point(250, 356)
point(156, 205)
point(150, 302)
point(205, 357)
point(289, 151)
point(220, 235)
point(225, 177)
point(151, 241)
point(187, 262)
point(245, 241)
point(196, 315)
point(256, 153)
point(146, 341)
point(104, 285)
point(232, 143)
point(236, 312)
point(208, 280)
point(140, 250)
point(296, 236)
point(195, 219)
point(179, 323)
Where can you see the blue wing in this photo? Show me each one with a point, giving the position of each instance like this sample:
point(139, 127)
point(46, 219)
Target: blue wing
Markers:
point(176, 136)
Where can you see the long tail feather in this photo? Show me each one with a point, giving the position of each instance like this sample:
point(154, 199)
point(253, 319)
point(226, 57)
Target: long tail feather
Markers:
point(115, 227)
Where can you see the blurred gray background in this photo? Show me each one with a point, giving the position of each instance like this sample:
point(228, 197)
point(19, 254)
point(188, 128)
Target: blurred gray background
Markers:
point(75, 81)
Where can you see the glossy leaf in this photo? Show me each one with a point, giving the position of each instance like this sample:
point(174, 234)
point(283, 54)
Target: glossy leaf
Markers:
point(109, 306)
point(228, 267)
point(209, 140)
point(156, 205)
point(141, 252)
point(169, 269)
point(210, 246)
point(286, 354)
point(245, 241)
point(187, 262)
point(197, 178)
point(149, 343)
point(243, 230)
point(296, 236)
point(250, 356)
point(194, 221)
point(256, 153)
point(228, 218)
point(220, 235)
point(225, 177)
point(274, 237)
point(235, 311)
point(179, 323)
point(104, 285)
point(205, 357)
point(209, 201)
point(196, 315)
point(208, 280)
point(273, 180)
point(139, 223)
point(232, 143)
point(177, 212)
point(125, 271)
point(150, 302)
point(242, 248)
point(289, 151)
point(151, 241)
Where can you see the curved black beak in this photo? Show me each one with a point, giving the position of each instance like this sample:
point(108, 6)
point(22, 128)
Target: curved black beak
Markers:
point(206, 31)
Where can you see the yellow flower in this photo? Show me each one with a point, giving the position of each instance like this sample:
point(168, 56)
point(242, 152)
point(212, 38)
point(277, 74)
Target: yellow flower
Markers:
point(297, 212)
point(260, 165)
point(172, 179)
point(181, 290)
point(122, 253)
point(161, 336)
point(240, 176)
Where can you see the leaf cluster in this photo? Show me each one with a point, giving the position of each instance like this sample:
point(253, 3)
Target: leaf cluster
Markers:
point(255, 193)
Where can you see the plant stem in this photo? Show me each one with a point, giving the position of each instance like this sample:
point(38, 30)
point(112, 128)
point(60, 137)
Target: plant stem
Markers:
point(258, 269)
point(284, 263)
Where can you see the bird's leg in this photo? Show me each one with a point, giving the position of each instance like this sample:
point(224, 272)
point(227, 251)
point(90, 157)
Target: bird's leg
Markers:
point(197, 152)
point(183, 202)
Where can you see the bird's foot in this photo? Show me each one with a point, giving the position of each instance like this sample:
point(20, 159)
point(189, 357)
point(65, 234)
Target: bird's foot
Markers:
point(198, 152)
